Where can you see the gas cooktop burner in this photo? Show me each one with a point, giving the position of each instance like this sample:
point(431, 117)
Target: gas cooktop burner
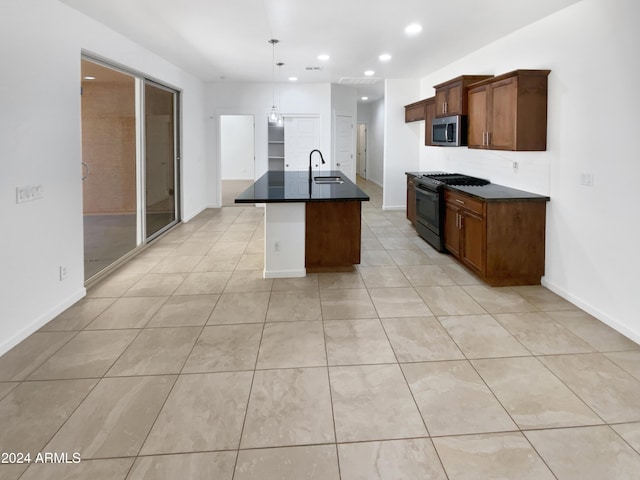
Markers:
point(457, 179)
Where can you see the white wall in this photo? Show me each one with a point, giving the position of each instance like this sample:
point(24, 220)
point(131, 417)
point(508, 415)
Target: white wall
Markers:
point(375, 154)
point(256, 99)
point(344, 101)
point(40, 46)
point(401, 142)
point(591, 50)
point(236, 147)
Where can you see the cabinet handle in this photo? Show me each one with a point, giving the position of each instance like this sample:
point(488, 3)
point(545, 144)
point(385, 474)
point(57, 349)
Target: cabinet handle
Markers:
point(460, 201)
point(488, 138)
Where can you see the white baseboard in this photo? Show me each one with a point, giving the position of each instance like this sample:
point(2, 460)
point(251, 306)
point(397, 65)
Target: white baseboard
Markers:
point(284, 273)
point(593, 311)
point(191, 217)
point(8, 343)
point(398, 207)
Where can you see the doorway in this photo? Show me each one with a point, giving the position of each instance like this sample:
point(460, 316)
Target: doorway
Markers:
point(237, 155)
point(361, 155)
point(109, 190)
point(129, 162)
point(161, 158)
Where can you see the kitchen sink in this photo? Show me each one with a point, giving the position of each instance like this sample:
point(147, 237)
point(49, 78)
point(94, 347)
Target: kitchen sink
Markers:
point(328, 179)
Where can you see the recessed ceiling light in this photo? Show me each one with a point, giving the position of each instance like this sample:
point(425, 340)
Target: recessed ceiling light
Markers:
point(369, 73)
point(413, 29)
point(323, 57)
point(293, 79)
point(89, 78)
point(385, 57)
point(364, 98)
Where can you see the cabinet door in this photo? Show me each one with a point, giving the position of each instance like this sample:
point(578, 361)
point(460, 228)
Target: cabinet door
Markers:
point(503, 99)
point(414, 112)
point(452, 230)
point(477, 118)
point(473, 241)
point(454, 100)
point(441, 100)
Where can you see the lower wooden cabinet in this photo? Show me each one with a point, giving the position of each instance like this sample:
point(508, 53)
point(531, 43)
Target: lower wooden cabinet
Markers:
point(502, 241)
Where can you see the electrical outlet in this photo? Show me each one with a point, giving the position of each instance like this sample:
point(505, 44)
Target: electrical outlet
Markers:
point(276, 246)
point(28, 193)
point(63, 272)
point(515, 166)
point(586, 179)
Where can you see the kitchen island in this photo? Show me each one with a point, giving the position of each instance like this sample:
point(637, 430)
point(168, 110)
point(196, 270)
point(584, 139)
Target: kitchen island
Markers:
point(311, 224)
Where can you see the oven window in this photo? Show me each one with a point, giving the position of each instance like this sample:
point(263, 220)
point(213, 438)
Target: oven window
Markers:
point(428, 210)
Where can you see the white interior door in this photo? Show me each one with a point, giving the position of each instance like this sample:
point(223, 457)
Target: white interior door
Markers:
point(361, 156)
point(301, 135)
point(344, 146)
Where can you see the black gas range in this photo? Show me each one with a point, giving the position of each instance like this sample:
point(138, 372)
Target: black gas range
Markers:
point(430, 205)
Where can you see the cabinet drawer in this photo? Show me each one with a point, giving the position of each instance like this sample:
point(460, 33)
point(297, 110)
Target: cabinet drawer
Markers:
point(465, 201)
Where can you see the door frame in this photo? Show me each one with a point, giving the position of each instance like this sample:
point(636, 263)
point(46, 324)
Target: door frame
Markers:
point(366, 148)
point(353, 143)
point(140, 78)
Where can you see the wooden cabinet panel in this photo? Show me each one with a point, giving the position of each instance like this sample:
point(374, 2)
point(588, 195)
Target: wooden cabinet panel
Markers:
point(501, 124)
point(509, 112)
point(430, 113)
point(415, 112)
point(477, 117)
point(332, 236)
point(466, 202)
point(474, 243)
point(441, 101)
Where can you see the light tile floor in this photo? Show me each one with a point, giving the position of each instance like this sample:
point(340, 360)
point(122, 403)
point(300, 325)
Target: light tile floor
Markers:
point(186, 363)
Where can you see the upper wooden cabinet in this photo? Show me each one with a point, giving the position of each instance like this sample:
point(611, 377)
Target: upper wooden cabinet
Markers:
point(415, 111)
point(509, 112)
point(430, 113)
point(451, 96)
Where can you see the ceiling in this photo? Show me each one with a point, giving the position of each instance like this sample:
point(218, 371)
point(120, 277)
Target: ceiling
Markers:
point(227, 40)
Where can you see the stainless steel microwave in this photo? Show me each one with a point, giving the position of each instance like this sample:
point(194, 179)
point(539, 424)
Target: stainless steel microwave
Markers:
point(449, 131)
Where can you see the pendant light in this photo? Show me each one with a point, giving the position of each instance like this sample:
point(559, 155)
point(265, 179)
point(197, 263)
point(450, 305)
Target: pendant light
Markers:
point(280, 120)
point(274, 115)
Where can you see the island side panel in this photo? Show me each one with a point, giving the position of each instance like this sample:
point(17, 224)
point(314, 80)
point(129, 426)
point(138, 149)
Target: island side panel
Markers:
point(332, 238)
point(284, 240)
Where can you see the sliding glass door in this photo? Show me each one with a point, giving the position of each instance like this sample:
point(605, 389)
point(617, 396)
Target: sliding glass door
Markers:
point(130, 163)
point(109, 159)
point(161, 158)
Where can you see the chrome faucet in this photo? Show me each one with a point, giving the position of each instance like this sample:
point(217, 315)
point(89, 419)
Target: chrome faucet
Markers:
point(310, 155)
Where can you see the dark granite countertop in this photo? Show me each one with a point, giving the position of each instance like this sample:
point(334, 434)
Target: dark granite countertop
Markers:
point(493, 192)
point(279, 187)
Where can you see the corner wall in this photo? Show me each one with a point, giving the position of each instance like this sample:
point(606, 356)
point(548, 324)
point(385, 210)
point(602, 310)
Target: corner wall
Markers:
point(592, 232)
point(41, 42)
point(401, 142)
